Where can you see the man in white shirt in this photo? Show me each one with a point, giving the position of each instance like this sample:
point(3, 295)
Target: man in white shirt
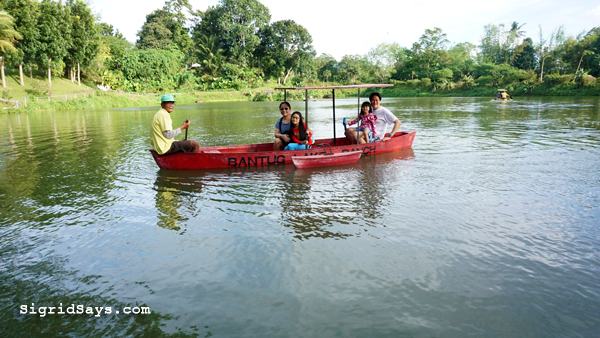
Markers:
point(384, 117)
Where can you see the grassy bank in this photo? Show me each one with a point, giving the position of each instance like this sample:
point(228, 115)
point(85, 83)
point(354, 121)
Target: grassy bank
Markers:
point(36, 90)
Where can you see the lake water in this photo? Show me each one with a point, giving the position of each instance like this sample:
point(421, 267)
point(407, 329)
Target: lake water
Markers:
point(488, 227)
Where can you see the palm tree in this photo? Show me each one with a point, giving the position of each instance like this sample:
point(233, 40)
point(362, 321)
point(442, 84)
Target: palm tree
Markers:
point(515, 29)
point(514, 35)
point(585, 52)
point(7, 39)
point(211, 54)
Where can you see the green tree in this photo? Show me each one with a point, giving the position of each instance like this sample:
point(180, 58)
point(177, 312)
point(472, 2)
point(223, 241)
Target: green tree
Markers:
point(166, 26)
point(55, 36)
point(84, 37)
point(288, 45)
point(25, 13)
point(525, 58)
point(236, 23)
point(150, 69)
point(326, 63)
point(495, 45)
point(582, 52)
point(210, 54)
point(354, 69)
point(114, 41)
point(427, 53)
point(384, 58)
point(460, 59)
point(8, 36)
point(547, 45)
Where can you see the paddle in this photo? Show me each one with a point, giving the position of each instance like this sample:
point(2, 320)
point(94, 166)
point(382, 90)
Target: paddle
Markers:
point(186, 129)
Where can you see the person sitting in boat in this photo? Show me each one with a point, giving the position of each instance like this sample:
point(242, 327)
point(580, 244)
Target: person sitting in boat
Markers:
point(505, 95)
point(282, 126)
point(499, 96)
point(384, 117)
point(162, 134)
point(299, 135)
point(367, 124)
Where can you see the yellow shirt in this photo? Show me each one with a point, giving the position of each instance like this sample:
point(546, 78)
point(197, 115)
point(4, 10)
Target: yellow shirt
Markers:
point(504, 95)
point(161, 122)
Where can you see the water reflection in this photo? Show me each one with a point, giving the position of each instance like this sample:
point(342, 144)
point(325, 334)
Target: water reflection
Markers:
point(328, 202)
point(494, 214)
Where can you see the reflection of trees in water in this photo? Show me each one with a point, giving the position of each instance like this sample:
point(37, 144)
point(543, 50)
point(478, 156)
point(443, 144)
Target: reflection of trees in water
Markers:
point(27, 278)
point(173, 192)
point(182, 195)
point(330, 202)
point(56, 161)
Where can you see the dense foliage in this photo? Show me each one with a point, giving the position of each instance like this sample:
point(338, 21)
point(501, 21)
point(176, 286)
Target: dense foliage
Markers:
point(234, 45)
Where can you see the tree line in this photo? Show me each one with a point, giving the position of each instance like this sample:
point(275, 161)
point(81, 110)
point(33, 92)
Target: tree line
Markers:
point(234, 45)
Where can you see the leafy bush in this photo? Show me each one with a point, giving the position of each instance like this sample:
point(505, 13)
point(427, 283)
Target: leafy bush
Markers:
point(585, 80)
point(485, 80)
point(556, 79)
point(442, 74)
point(150, 69)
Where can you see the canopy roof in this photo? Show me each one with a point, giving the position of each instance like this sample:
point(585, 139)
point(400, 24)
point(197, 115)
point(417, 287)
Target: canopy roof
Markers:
point(340, 87)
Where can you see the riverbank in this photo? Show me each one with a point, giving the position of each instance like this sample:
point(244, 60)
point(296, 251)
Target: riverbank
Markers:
point(112, 99)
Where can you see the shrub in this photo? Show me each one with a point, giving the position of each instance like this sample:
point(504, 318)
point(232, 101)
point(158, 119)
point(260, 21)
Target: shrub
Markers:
point(556, 79)
point(442, 74)
point(485, 80)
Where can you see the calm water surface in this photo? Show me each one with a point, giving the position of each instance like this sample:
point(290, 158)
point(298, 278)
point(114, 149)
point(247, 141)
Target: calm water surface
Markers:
point(487, 227)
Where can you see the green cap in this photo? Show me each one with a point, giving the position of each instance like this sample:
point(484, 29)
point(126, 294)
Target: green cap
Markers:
point(167, 98)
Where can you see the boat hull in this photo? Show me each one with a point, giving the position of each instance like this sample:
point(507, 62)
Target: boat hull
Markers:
point(262, 154)
point(326, 160)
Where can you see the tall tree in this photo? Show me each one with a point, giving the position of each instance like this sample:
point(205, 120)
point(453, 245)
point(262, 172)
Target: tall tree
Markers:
point(354, 69)
point(25, 13)
point(515, 35)
point(8, 36)
point(547, 45)
point(84, 36)
point(112, 46)
point(384, 57)
point(427, 53)
point(327, 66)
point(236, 23)
point(166, 26)
point(525, 58)
point(55, 35)
point(288, 44)
point(210, 53)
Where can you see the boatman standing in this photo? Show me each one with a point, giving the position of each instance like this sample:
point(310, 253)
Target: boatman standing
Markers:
point(162, 133)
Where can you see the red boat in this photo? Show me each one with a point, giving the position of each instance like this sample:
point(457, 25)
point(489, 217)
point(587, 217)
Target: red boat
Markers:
point(262, 154)
point(330, 159)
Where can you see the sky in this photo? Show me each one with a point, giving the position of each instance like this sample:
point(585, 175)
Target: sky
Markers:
point(352, 27)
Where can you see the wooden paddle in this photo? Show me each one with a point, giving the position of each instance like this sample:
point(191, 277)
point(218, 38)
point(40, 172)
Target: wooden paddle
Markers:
point(186, 129)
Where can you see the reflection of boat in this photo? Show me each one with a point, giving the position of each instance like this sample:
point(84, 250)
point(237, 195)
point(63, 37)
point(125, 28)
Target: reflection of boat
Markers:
point(262, 154)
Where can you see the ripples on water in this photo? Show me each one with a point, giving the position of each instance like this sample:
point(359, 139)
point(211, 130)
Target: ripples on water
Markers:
point(488, 226)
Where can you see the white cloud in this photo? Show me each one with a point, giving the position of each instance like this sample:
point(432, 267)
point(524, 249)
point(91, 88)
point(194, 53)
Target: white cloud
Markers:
point(592, 15)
